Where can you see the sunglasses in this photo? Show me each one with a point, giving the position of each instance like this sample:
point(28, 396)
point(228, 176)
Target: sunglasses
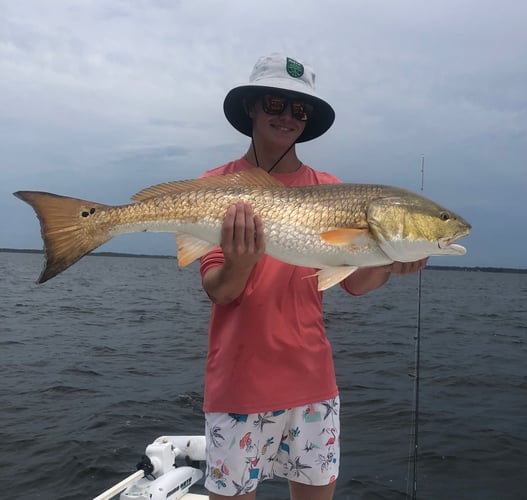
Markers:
point(276, 104)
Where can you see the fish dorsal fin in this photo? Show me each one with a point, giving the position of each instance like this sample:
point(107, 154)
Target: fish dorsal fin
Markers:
point(344, 237)
point(251, 177)
point(190, 248)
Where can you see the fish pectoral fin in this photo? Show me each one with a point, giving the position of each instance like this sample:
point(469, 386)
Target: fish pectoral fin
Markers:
point(344, 237)
point(330, 276)
point(190, 248)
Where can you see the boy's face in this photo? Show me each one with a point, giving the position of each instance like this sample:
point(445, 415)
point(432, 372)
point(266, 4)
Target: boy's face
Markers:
point(277, 129)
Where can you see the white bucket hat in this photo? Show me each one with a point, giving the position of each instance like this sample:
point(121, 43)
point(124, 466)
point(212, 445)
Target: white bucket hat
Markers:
point(279, 72)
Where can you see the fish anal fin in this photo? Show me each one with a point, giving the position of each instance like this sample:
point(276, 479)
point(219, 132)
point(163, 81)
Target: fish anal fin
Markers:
point(251, 177)
point(331, 276)
point(190, 248)
point(344, 237)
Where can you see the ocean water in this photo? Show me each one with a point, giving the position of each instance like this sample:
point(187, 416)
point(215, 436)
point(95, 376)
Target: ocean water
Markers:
point(101, 360)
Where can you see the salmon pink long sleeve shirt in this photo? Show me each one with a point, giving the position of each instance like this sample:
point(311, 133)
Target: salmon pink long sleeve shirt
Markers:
point(268, 350)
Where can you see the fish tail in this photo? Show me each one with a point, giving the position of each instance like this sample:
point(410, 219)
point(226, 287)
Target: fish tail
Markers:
point(67, 228)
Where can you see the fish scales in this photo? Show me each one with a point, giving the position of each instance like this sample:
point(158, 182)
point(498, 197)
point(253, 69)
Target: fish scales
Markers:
point(285, 212)
point(302, 207)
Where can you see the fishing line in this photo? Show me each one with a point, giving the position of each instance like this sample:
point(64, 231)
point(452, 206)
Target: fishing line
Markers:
point(414, 432)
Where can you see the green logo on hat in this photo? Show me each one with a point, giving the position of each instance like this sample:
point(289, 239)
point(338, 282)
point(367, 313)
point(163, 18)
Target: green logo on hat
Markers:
point(294, 68)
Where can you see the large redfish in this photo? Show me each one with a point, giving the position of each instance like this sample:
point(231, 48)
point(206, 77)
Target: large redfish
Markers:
point(335, 228)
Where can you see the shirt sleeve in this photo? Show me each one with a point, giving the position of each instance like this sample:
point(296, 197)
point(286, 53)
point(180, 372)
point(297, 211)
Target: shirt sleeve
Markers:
point(345, 288)
point(210, 260)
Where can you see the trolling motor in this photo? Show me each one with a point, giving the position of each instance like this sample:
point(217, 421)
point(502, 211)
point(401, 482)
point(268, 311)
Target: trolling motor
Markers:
point(158, 476)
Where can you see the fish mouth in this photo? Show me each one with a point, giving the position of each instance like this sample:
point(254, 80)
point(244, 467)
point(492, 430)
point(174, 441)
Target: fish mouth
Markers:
point(447, 245)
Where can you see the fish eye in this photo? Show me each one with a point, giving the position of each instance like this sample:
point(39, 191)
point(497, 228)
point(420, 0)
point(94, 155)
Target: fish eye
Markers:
point(444, 216)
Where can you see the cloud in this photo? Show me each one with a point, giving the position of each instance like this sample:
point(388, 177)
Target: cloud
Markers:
point(110, 97)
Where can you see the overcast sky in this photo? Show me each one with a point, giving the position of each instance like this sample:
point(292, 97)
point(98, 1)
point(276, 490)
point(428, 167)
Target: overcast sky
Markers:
point(101, 98)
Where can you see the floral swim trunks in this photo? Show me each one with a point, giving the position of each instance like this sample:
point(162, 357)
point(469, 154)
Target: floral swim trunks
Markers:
point(300, 444)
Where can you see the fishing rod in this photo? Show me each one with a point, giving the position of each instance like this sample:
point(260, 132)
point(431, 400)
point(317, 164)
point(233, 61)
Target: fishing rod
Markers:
point(414, 445)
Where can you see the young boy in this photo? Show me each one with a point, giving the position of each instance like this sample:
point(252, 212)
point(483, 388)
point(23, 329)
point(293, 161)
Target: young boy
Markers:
point(271, 398)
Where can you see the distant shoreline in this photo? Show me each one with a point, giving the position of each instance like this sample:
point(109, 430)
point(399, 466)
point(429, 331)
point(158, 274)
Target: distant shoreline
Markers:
point(95, 254)
point(153, 256)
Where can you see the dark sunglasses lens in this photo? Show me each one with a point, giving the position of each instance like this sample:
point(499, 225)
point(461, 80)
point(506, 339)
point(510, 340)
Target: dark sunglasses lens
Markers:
point(301, 110)
point(274, 105)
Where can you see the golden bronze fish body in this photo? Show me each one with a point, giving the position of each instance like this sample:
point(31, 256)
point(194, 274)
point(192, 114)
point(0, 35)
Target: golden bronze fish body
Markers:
point(333, 227)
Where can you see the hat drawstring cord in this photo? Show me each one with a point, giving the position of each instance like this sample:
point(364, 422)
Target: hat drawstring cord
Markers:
point(276, 162)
